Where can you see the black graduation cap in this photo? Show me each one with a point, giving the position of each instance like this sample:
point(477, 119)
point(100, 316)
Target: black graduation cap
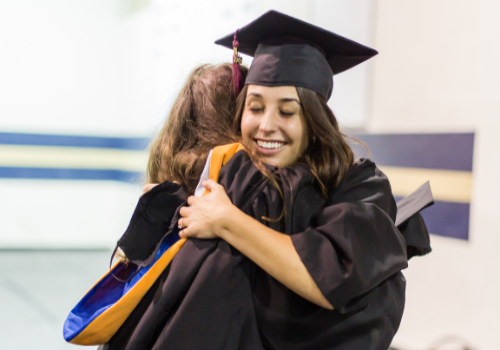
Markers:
point(288, 51)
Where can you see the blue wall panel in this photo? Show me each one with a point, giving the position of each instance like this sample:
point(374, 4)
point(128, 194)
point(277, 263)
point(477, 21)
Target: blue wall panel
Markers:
point(451, 151)
point(70, 174)
point(130, 143)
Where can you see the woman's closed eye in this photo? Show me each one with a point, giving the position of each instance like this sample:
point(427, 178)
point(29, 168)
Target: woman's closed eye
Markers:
point(256, 109)
point(287, 113)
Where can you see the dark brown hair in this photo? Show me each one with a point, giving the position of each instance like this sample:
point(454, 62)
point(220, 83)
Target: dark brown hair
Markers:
point(328, 156)
point(200, 119)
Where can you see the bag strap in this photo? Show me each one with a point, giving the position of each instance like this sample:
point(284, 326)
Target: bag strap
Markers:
point(116, 277)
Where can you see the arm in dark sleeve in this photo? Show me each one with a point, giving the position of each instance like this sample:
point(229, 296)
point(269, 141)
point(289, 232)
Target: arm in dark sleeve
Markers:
point(353, 244)
point(152, 219)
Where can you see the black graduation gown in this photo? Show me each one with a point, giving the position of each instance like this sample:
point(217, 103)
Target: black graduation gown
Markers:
point(354, 253)
point(212, 297)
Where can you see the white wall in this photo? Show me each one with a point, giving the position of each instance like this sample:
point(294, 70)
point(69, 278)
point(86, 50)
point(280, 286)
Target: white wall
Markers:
point(105, 67)
point(438, 72)
point(113, 68)
point(355, 20)
point(64, 214)
point(109, 68)
point(60, 67)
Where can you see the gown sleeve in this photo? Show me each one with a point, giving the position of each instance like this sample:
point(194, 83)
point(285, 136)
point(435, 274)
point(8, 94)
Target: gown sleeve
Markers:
point(154, 216)
point(353, 245)
point(416, 235)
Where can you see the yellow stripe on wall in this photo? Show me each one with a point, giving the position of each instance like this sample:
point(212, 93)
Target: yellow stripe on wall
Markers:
point(72, 157)
point(446, 185)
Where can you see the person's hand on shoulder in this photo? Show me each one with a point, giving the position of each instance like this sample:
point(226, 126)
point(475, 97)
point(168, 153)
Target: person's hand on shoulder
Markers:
point(205, 216)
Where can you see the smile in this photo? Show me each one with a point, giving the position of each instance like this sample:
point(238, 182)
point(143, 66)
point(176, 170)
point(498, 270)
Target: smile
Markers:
point(270, 144)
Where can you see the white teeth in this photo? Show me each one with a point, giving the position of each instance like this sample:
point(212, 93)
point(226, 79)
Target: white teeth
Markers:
point(266, 144)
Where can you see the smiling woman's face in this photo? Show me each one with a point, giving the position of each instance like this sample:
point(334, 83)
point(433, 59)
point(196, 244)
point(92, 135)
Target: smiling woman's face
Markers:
point(274, 122)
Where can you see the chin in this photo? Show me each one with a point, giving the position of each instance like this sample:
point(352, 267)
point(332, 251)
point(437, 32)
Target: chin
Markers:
point(277, 162)
point(272, 162)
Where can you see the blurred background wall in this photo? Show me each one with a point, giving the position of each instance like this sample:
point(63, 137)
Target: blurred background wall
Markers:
point(84, 85)
point(111, 69)
point(437, 72)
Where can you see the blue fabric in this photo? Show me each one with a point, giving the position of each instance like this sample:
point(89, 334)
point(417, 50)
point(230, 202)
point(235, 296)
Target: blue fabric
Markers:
point(165, 245)
point(107, 292)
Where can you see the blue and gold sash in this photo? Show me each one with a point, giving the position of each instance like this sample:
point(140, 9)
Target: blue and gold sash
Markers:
point(106, 306)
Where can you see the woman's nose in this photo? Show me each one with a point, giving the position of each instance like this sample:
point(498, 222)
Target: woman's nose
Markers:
point(268, 122)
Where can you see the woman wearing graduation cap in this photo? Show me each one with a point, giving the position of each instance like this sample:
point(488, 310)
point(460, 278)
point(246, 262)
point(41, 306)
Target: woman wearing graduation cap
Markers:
point(295, 247)
point(335, 283)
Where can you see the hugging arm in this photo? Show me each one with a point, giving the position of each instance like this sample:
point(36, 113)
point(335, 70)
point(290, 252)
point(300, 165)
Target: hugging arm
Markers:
point(215, 216)
point(151, 221)
point(351, 246)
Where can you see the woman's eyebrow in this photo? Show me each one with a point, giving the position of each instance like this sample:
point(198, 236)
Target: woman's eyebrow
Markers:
point(289, 99)
point(254, 94)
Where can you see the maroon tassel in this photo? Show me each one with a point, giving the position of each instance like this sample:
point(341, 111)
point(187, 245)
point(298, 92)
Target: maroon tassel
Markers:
point(237, 76)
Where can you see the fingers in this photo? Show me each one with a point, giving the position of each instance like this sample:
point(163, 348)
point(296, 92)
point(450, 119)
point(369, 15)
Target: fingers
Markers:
point(148, 187)
point(120, 254)
point(211, 185)
point(192, 200)
point(183, 223)
point(185, 211)
point(184, 233)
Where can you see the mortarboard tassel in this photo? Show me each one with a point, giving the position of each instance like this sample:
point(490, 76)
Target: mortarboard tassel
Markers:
point(237, 60)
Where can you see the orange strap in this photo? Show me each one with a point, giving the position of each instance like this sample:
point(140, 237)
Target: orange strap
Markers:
point(100, 330)
point(220, 156)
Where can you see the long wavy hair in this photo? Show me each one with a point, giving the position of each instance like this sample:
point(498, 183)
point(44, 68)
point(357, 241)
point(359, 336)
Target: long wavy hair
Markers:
point(329, 156)
point(200, 119)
